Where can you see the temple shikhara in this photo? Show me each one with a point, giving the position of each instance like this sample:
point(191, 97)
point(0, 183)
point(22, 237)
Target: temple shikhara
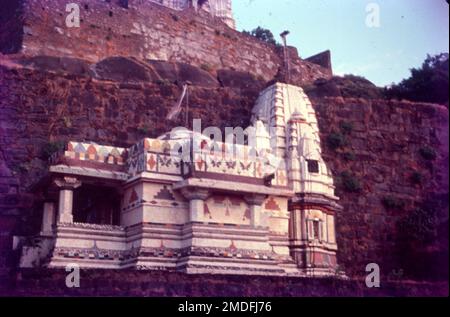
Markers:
point(268, 208)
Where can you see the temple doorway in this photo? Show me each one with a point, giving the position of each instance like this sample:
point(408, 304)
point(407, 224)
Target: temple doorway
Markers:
point(96, 205)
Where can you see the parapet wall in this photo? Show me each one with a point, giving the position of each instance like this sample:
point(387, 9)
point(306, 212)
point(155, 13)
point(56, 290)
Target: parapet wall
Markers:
point(145, 31)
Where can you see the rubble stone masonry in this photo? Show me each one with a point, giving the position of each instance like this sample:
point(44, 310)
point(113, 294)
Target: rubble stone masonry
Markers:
point(145, 31)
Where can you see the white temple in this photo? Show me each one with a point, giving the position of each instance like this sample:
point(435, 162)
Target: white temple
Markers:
point(178, 203)
point(218, 8)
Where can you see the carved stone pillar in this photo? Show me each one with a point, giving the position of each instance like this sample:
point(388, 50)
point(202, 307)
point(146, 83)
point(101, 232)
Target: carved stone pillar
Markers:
point(255, 203)
point(66, 187)
point(296, 225)
point(298, 234)
point(48, 218)
point(303, 225)
point(196, 199)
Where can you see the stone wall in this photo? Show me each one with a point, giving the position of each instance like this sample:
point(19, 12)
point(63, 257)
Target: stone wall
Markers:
point(11, 27)
point(375, 148)
point(145, 31)
point(164, 284)
point(377, 152)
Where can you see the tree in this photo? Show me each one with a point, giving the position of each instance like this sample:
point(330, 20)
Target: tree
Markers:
point(426, 84)
point(262, 34)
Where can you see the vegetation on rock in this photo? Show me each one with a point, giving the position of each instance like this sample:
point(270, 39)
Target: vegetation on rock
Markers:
point(393, 203)
point(262, 34)
point(349, 182)
point(335, 140)
point(426, 84)
point(428, 153)
point(347, 86)
point(51, 148)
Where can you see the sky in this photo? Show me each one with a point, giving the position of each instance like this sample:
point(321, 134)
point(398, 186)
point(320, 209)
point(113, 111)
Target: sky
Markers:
point(407, 31)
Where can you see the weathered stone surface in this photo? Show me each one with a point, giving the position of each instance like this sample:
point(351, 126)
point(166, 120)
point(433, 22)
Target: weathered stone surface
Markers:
point(170, 284)
point(323, 59)
point(122, 70)
point(348, 86)
point(58, 64)
point(11, 27)
point(235, 79)
point(146, 31)
point(195, 75)
point(385, 155)
point(166, 71)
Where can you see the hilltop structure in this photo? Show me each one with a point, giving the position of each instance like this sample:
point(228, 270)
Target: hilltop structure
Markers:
point(174, 31)
point(221, 9)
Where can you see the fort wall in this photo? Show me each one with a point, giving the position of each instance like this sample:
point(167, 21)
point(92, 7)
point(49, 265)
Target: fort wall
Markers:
point(169, 284)
point(145, 31)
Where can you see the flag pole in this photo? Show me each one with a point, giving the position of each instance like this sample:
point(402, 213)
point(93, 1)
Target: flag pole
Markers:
point(187, 83)
point(286, 55)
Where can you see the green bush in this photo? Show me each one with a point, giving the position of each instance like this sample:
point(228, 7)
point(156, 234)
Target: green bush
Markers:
point(392, 203)
point(429, 83)
point(428, 153)
point(349, 156)
point(346, 127)
point(51, 148)
point(163, 82)
point(335, 140)
point(19, 168)
point(144, 130)
point(420, 225)
point(262, 34)
point(206, 67)
point(350, 183)
point(416, 178)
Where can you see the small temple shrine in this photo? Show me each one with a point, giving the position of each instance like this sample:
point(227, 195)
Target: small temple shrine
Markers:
point(189, 203)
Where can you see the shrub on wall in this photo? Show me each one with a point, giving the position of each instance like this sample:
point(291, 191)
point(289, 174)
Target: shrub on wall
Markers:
point(335, 140)
point(349, 156)
point(263, 34)
point(428, 153)
point(423, 239)
point(144, 130)
point(206, 67)
point(420, 225)
point(350, 183)
point(346, 127)
point(428, 83)
point(416, 178)
point(50, 148)
point(392, 203)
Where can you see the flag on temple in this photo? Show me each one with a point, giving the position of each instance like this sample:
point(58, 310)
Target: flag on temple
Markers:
point(176, 109)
